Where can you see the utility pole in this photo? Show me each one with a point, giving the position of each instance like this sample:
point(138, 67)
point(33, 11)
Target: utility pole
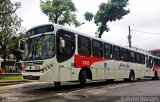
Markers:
point(129, 37)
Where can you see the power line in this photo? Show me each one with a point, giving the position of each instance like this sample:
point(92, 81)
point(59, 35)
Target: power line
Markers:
point(144, 32)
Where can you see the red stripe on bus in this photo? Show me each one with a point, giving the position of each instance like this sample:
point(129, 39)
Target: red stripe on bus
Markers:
point(155, 68)
point(85, 61)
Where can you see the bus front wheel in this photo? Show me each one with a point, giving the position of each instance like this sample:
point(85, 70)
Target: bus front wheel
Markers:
point(82, 78)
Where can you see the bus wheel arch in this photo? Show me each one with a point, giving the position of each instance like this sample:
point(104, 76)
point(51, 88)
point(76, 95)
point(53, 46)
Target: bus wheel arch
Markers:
point(88, 73)
point(84, 74)
point(131, 75)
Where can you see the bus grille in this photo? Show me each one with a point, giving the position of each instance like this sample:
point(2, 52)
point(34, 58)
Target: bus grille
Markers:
point(32, 70)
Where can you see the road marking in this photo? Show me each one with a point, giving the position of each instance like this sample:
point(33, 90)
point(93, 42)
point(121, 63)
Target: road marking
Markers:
point(121, 85)
point(99, 92)
point(71, 92)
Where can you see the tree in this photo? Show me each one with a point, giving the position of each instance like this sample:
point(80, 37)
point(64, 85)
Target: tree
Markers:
point(108, 12)
point(17, 46)
point(9, 25)
point(60, 11)
point(88, 16)
point(9, 11)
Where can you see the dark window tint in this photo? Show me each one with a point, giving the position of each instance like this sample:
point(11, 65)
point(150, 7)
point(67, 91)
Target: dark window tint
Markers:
point(138, 58)
point(158, 62)
point(107, 50)
point(84, 46)
point(132, 57)
point(124, 54)
point(150, 62)
point(40, 29)
point(142, 58)
point(116, 54)
point(67, 51)
point(97, 49)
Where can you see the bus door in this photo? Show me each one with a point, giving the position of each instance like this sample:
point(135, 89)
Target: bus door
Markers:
point(149, 64)
point(65, 52)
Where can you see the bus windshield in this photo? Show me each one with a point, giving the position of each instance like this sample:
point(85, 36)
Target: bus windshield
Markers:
point(39, 48)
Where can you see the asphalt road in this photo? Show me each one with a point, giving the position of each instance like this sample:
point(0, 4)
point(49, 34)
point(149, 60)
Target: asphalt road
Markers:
point(118, 91)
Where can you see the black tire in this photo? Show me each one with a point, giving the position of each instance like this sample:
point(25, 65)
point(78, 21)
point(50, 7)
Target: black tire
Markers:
point(138, 78)
point(57, 84)
point(131, 76)
point(126, 79)
point(110, 80)
point(82, 78)
point(155, 76)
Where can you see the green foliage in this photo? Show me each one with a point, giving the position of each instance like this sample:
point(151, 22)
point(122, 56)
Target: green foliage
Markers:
point(10, 77)
point(60, 11)
point(9, 25)
point(88, 16)
point(11, 8)
point(108, 12)
point(17, 46)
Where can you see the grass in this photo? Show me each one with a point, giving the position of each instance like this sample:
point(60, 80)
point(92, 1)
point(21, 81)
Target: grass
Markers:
point(10, 77)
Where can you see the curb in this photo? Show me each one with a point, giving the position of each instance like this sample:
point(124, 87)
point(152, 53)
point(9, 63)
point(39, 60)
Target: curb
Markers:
point(10, 74)
point(12, 81)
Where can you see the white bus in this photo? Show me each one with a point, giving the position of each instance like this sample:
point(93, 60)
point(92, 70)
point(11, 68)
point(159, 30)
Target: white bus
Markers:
point(152, 67)
point(54, 53)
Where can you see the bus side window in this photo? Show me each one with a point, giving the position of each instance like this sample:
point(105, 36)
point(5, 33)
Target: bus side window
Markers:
point(84, 46)
point(147, 62)
point(155, 61)
point(124, 54)
point(67, 49)
point(158, 62)
point(142, 58)
point(150, 62)
point(138, 58)
point(107, 50)
point(132, 57)
point(97, 48)
point(116, 54)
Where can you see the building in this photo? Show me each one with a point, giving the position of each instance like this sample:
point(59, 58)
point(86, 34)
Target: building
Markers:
point(155, 52)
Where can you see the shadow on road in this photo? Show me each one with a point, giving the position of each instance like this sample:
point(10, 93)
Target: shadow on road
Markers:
point(50, 88)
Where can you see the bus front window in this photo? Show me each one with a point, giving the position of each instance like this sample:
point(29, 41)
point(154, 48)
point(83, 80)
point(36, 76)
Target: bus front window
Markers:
point(39, 48)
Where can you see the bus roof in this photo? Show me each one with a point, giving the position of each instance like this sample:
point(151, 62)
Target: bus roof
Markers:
point(86, 35)
point(56, 26)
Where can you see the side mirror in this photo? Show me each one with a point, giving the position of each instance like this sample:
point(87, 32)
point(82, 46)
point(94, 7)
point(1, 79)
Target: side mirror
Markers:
point(21, 44)
point(62, 42)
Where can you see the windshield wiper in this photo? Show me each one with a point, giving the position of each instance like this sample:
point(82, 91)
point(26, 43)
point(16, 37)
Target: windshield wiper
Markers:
point(34, 45)
point(41, 37)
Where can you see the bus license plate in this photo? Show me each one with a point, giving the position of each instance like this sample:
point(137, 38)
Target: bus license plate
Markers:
point(30, 76)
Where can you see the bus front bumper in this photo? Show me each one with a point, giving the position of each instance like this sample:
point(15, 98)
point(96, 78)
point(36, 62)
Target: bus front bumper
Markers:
point(48, 76)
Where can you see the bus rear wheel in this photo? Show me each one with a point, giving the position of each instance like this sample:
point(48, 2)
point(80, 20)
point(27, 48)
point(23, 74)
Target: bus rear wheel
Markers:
point(155, 76)
point(82, 78)
point(57, 84)
point(131, 75)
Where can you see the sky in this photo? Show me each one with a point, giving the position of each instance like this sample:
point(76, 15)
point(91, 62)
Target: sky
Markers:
point(144, 16)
